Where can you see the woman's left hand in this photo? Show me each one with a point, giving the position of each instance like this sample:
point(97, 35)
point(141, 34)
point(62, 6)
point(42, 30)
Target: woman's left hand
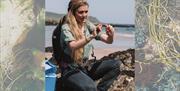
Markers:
point(109, 30)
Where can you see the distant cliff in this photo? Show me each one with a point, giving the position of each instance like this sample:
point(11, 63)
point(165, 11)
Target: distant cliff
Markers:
point(53, 18)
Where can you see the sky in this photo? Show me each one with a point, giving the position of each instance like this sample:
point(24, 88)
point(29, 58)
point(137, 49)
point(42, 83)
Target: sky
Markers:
point(107, 11)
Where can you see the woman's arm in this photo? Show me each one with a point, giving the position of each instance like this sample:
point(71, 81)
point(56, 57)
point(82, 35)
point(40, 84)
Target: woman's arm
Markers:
point(71, 42)
point(75, 44)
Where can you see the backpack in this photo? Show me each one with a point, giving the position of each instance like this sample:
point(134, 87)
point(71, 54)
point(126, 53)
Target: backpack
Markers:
point(57, 49)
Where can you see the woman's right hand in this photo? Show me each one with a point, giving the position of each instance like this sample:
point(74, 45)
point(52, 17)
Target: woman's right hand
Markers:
point(99, 28)
point(95, 31)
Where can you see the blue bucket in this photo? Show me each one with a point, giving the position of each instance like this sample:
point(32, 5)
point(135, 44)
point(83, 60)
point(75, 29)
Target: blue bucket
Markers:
point(50, 76)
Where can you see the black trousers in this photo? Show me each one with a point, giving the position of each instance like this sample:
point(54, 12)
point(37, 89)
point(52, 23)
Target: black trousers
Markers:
point(83, 80)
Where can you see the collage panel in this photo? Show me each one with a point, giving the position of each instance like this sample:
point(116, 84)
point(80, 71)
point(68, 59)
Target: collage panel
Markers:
point(157, 39)
point(22, 45)
point(111, 68)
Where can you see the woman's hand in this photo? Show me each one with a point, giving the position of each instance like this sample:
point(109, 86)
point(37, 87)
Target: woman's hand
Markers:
point(108, 36)
point(94, 33)
point(109, 30)
point(99, 28)
point(96, 30)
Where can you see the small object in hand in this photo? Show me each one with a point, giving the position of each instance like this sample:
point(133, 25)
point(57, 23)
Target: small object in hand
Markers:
point(98, 30)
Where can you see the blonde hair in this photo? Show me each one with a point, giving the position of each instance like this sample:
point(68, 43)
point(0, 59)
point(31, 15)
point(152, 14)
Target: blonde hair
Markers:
point(77, 33)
